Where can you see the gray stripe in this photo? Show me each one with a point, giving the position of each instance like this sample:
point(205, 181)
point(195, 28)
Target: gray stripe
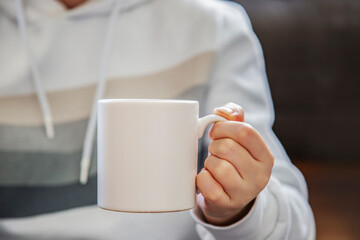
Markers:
point(69, 137)
point(41, 169)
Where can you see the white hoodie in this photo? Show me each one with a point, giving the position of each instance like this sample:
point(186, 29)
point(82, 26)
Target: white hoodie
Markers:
point(60, 62)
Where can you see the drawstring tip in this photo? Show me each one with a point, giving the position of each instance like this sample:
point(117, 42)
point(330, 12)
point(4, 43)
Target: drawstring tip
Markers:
point(49, 127)
point(83, 179)
point(50, 134)
point(84, 170)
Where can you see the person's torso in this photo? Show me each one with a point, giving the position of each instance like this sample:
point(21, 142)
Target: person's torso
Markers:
point(161, 49)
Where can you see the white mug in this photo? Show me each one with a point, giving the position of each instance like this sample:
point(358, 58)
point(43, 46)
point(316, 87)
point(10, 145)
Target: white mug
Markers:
point(147, 154)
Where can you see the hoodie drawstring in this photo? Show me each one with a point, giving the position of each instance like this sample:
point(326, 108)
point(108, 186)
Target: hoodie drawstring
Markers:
point(100, 90)
point(41, 95)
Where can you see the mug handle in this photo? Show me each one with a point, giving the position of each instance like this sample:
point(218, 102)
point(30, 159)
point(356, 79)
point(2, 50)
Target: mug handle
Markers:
point(204, 121)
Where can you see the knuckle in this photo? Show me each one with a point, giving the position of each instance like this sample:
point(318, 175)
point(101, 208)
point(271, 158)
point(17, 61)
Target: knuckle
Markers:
point(214, 196)
point(226, 147)
point(206, 163)
point(221, 150)
point(245, 132)
point(200, 178)
point(222, 169)
point(211, 147)
point(211, 132)
point(209, 162)
point(214, 130)
point(230, 145)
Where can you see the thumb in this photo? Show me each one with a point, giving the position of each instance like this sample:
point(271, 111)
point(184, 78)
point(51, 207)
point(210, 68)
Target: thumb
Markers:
point(230, 111)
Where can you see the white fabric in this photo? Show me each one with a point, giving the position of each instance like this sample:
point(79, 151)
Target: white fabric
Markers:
point(41, 95)
point(152, 37)
point(100, 89)
point(93, 223)
point(281, 211)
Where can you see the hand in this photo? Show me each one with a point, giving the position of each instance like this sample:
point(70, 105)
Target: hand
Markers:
point(236, 171)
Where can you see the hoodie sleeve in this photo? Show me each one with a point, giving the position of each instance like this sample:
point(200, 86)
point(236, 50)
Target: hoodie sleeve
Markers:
point(281, 210)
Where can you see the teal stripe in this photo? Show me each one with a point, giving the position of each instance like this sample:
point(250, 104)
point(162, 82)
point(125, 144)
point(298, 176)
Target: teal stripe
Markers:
point(69, 137)
point(41, 169)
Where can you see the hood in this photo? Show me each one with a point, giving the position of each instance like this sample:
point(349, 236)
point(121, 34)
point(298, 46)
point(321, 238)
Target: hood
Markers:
point(37, 10)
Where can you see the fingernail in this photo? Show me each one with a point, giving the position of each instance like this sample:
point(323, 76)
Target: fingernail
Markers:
point(225, 109)
point(228, 110)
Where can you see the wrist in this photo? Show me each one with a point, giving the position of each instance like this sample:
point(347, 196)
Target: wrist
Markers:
point(226, 221)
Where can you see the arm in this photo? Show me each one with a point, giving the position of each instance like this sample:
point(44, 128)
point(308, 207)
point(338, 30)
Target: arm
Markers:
point(281, 209)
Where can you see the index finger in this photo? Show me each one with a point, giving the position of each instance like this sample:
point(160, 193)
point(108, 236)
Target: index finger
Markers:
point(245, 135)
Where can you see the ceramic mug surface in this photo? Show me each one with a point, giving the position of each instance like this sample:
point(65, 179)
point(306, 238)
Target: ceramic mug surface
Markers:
point(147, 154)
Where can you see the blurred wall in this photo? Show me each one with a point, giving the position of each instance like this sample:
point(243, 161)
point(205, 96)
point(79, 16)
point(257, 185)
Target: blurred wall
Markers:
point(312, 51)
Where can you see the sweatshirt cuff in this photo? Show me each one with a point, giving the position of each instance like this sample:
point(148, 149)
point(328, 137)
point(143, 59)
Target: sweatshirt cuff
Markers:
point(245, 228)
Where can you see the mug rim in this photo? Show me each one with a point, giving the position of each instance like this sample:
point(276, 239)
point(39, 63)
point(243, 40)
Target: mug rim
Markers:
point(144, 100)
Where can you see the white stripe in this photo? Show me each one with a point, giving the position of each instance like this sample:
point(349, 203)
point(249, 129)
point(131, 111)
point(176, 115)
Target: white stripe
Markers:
point(94, 223)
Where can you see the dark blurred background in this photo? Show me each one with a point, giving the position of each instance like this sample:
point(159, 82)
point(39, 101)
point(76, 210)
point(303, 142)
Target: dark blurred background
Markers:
point(312, 51)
